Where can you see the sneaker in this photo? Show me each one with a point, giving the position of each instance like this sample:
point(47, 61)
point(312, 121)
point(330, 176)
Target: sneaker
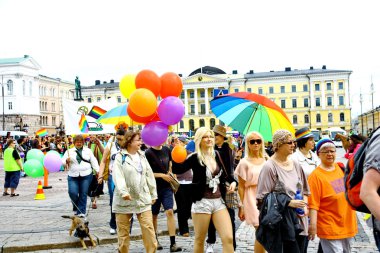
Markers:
point(81, 215)
point(175, 248)
point(159, 247)
point(210, 248)
point(112, 231)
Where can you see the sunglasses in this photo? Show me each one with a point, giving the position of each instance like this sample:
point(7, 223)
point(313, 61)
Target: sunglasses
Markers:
point(253, 141)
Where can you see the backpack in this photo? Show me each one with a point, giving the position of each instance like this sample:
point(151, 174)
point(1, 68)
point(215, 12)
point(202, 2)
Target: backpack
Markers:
point(353, 177)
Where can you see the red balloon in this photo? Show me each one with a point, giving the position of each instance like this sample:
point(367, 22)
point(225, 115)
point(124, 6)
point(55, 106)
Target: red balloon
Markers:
point(171, 85)
point(149, 80)
point(139, 119)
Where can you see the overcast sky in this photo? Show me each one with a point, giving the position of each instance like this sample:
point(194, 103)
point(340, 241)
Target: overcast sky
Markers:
point(107, 39)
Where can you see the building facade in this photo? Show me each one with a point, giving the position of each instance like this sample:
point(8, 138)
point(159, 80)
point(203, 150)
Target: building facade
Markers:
point(368, 121)
point(316, 98)
point(30, 101)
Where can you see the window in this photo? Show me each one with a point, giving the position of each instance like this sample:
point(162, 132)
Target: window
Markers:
point(181, 124)
point(295, 119)
point(53, 107)
point(330, 117)
point(191, 125)
point(340, 86)
point(182, 94)
point(249, 90)
point(294, 88)
point(212, 123)
point(119, 99)
point(10, 87)
point(89, 100)
point(329, 101)
point(305, 87)
point(53, 121)
point(192, 109)
point(30, 88)
point(53, 95)
point(201, 123)
point(306, 119)
point(341, 116)
point(10, 107)
point(317, 101)
point(23, 87)
point(203, 108)
point(328, 86)
point(98, 99)
point(236, 90)
point(191, 94)
point(282, 88)
point(271, 91)
point(294, 103)
point(283, 103)
point(305, 102)
point(202, 93)
point(317, 87)
point(260, 91)
point(341, 100)
point(318, 118)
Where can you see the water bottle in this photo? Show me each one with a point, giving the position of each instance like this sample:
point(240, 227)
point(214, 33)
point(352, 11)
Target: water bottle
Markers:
point(298, 196)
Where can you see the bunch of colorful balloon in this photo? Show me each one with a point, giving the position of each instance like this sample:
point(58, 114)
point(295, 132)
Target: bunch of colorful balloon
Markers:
point(36, 161)
point(142, 91)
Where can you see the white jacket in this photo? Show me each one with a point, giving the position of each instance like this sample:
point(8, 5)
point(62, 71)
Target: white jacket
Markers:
point(128, 181)
point(308, 165)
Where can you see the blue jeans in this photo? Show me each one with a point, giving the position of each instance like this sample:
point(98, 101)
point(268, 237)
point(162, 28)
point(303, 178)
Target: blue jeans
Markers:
point(78, 188)
point(111, 188)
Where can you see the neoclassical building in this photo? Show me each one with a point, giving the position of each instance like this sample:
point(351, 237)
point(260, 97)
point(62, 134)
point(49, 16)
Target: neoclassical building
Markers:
point(316, 98)
point(30, 100)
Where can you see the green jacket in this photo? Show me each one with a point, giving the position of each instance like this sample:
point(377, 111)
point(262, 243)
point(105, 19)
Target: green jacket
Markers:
point(10, 163)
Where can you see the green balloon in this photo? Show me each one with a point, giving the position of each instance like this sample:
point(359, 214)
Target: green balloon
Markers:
point(33, 168)
point(35, 154)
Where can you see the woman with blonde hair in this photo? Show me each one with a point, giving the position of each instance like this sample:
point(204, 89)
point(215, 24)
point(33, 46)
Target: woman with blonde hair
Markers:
point(248, 171)
point(211, 181)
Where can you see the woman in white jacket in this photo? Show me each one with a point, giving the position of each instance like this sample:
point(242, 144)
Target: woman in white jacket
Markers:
point(135, 192)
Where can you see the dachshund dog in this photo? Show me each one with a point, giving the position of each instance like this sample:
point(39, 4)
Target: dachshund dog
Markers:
point(81, 229)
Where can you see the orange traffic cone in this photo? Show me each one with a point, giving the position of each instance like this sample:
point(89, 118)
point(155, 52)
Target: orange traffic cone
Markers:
point(40, 192)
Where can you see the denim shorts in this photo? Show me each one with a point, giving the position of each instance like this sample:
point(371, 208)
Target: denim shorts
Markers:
point(12, 178)
point(208, 206)
point(165, 197)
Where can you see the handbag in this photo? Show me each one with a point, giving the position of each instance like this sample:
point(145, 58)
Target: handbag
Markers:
point(174, 183)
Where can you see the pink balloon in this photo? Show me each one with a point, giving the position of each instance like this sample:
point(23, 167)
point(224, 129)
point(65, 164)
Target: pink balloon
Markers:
point(154, 133)
point(52, 161)
point(171, 110)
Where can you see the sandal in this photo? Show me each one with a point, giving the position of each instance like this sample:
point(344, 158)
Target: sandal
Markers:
point(15, 194)
point(5, 193)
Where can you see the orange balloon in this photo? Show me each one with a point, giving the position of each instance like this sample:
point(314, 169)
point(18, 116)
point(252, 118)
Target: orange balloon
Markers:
point(171, 85)
point(149, 80)
point(179, 154)
point(143, 102)
point(139, 119)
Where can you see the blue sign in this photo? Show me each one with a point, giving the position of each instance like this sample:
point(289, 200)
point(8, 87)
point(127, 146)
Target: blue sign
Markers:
point(219, 92)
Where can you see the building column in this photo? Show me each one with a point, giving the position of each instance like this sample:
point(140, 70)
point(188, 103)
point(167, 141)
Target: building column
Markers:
point(186, 103)
point(207, 103)
point(323, 94)
point(335, 92)
point(196, 101)
point(346, 94)
point(312, 98)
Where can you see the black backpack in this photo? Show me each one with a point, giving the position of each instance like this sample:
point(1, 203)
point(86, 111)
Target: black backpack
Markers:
point(353, 177)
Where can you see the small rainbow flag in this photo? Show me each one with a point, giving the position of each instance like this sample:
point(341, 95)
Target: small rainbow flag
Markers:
point(83, 124)
point(96, 112)
point(42, 132)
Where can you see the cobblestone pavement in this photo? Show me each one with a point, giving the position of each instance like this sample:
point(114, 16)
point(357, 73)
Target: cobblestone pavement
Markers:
point(36, 225)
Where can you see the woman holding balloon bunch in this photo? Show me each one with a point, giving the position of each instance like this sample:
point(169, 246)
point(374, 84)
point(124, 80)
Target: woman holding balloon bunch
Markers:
point(210, 182)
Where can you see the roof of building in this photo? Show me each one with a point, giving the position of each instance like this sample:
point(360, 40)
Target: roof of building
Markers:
point(208, 70)
point(296, 72)
point(13, 60)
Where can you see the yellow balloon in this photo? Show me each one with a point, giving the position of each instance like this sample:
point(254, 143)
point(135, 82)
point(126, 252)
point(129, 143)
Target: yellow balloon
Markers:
point(171, 128)
point(127, 85)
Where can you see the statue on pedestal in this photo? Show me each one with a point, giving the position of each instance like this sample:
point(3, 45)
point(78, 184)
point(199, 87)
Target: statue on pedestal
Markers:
point(78, 89)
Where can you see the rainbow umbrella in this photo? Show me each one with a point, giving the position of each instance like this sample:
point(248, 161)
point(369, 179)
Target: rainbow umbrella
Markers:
point(115, 115)
point(246, 112)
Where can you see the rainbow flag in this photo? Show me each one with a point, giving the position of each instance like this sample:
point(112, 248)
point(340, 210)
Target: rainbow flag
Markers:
point(83, 124)
point(42, 132)
point(96, 112)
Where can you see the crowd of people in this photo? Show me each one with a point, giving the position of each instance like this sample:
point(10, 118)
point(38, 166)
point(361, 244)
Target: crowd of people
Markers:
point(284, 189)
